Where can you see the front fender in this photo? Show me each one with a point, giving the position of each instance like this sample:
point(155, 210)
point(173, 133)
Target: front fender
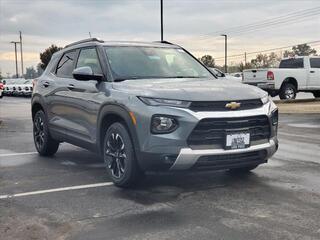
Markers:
point(122, 112)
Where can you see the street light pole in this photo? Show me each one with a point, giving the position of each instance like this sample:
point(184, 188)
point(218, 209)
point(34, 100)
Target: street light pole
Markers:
point(225, 52)
point(15, 52)
point(21, 54)
point(161, 16)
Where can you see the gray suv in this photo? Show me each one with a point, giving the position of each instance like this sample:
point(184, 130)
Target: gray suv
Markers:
point(150, 107)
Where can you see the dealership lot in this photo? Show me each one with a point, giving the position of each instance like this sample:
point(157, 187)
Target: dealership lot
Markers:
point(70, 196)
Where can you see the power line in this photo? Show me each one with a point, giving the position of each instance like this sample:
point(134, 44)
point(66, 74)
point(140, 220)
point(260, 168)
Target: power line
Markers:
point(268, 22)
point(301, 19)
point(269, 50)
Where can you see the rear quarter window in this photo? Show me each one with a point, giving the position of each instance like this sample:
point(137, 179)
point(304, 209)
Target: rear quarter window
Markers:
point(315, 62)
point(292, 63)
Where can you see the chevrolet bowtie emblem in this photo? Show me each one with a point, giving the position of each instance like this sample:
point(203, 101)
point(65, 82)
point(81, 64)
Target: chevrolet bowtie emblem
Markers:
point(233, 105)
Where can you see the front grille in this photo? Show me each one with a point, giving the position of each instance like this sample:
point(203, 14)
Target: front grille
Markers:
point(212, 131)
point(221, 105)
point(231, 160)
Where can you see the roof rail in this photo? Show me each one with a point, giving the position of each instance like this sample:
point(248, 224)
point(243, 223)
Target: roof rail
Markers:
point(84, 41)
point(166, 42)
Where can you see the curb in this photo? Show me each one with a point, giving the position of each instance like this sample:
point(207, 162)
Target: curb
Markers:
point(297, 100)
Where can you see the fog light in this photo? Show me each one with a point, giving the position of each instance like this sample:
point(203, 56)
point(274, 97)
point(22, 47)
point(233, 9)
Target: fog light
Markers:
point(275, 117)
point(163, 124)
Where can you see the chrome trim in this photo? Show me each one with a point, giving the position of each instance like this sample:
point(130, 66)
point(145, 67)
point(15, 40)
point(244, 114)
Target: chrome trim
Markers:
point(264, 110)
point(188, 157)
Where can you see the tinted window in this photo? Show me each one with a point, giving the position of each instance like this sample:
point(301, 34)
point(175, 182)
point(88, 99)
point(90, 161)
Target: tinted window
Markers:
point(88, 57)
point(65, 65)
point(315, 62)
point(292, 63)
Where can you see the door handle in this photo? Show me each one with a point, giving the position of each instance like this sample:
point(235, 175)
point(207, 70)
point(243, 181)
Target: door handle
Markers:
point(71, 86)
point(46, 84)
point(311, 71)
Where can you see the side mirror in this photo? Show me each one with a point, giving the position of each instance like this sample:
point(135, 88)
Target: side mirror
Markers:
point(85, 74)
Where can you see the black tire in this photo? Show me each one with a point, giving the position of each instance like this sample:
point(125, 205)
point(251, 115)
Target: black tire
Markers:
point(288, 91)
point(119, 156)
point(316, 94)
point(44, 143)
point(242, 170)
point(1, 96)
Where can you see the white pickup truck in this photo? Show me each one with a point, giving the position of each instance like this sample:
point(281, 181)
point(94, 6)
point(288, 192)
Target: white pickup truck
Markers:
point(298, 74)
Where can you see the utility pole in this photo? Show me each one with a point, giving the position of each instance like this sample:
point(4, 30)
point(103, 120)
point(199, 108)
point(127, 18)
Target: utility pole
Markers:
point(161, 15)
point(21, 53)
point(225, 52)
point(245, 58)
point(15, 52)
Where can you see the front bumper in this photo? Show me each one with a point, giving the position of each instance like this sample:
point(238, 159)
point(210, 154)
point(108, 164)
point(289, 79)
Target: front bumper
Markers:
point(172, 151)
point(188, 157)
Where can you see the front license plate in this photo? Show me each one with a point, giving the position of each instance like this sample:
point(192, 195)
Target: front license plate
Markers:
point(237, 140)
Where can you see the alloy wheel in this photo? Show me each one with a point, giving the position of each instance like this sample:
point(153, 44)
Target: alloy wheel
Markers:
point(38, 132)
point(289, 93)
point(115, 155)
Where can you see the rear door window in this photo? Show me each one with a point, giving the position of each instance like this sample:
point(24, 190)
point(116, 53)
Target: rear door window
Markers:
point(292, 63)
point(315, 62)
point(65, 65)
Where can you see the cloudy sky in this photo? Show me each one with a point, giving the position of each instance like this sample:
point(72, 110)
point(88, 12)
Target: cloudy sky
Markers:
point(194, 24)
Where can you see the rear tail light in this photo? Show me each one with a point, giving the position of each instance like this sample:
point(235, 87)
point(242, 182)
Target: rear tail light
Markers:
point(1, 86)
point(34, 82)
point(270, 75)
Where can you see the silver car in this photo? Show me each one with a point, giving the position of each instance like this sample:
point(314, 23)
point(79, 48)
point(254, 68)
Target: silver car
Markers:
point(150, 106)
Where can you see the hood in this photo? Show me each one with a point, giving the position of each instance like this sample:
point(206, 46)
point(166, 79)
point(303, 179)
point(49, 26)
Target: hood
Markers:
point(190, 89)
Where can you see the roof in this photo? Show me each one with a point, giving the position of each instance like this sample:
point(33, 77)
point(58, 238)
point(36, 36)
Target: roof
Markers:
point(96, 41)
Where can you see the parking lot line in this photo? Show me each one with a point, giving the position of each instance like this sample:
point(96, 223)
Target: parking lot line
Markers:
point(103, 184)
point(16, 154)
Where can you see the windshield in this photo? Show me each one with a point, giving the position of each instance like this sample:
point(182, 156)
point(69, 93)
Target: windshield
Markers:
point(132, 62)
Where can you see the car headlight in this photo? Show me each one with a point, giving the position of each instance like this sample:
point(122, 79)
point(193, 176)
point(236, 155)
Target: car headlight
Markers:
point(265, 99)
point(164, 102)
point(275, 117)
point(161, 124)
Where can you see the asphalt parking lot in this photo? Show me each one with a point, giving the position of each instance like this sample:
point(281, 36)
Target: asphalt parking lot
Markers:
point(70, 196)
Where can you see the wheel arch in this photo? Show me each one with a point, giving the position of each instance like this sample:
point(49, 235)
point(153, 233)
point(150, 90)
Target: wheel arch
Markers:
point(110, 114)
point(291, 80)
point(36, 105)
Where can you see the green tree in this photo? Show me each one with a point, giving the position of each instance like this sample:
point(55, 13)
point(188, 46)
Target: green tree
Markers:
point(1, 75)
point(300, 50)
point(47, 54)
point(265, 60)
point(260, 61)
point(303, 50)
point(243, 66)
point(39, 69)
point(207, 60)
point(273, 60)
point(30, 73)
